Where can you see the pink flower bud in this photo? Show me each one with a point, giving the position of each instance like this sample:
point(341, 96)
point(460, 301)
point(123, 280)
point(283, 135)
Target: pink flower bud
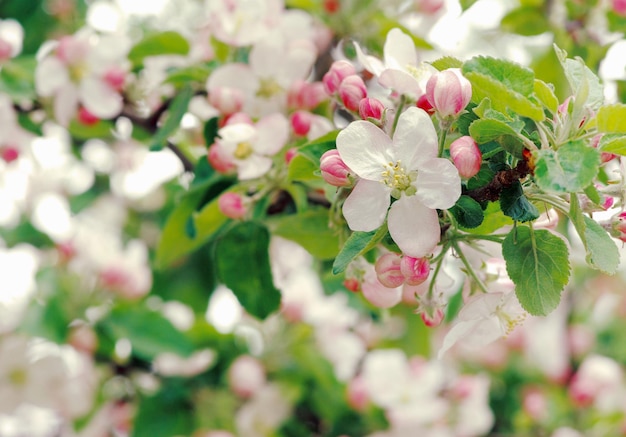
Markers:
point(358, 396)
point(424, 104)
point(432, 318)
point(290, 154)
point(377, 294)
point(84, 339)
point(448, 92)
point(85, 117)
point(618, 226)
point(332, 6)
point(352, 284)
point(9, 153)
point(306, 95)
point(429, 6)
point(604, 156)
point(246, 376)
point(226, 100)
point(6, 50)
point(619, 7)
point(115, 77)
point(338, 71)
point(334, 170)
point(301, 122)
point(351, 91)
point(219, 160)
point(414, 270)
point(388, 270)
point(232, 205)
point(371, 108)
point(535, 403)
point(466, 156)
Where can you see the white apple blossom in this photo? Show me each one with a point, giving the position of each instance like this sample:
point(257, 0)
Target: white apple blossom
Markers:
point(401, 70)
point(11, 38)
point(405, 168)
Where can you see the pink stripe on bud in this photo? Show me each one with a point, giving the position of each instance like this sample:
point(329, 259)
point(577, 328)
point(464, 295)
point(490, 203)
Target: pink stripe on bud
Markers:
point(414, 270)
point(334, 170)
point(448, 92)
point(466, 156)
point(351, 91)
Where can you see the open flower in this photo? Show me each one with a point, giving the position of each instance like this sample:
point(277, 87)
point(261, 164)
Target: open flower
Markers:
point(406, 169)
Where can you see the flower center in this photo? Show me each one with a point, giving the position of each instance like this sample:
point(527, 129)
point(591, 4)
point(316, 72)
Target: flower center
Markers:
point(268, 88)
point(396, 177)
point(510, 321)
point(18, 377)
point(418, 72)
point(243, 150)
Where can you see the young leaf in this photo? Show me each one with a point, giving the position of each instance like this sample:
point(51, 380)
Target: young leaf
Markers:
point(585, 85)
point(538, 263)
point(486, 130)
point(612, 118)
point(316, 148)
point(613, 143)
point(515, 205)
point(243, 265)
point(447, 62)
point(357, 244)
point(165, 43)
point(545, 94)
point(569, 169)
point(177, 109)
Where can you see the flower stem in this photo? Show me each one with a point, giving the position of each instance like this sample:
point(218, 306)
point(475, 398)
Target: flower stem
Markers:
point(469, 268)
point(398, 113)
point(444, 126)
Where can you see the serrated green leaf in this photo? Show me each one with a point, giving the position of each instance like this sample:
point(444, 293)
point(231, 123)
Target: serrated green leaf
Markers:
point(357, 244)
point(538, 264)
point(514, 204)
point(447, 62)
point(243, 265)
point(175, 113)
point(612, 118)
point(545, 94)
point(585, 85)
point(149, 332)
point(310, 230)
point(467, 212)
point(513, 76)
point(164, 43)
point(613, 143)
point(569, 169)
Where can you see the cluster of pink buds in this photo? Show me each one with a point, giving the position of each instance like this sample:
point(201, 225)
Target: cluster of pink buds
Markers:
point(466, 156)
point(341, 80)
point(394, 270)
point(448, 92)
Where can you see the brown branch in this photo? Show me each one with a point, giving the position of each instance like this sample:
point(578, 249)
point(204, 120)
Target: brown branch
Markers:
point(502, 179)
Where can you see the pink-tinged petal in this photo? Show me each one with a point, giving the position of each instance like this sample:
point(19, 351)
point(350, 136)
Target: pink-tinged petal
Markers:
point(66, 104)
point(238, 76)
point(253, 167)
point(362, 147)
point(401, 82)
point(414, 227)
point(370, 63)
point(234, 134)
point(438, 183)
point(50, 75)
point(480, 306)
point(100, 99)
point(266, 55)
point(300, 59)
point(377, 294)
point(473, 333)
point(272, 134)
point(366, 207)
point(415, 139)
point(399, 50)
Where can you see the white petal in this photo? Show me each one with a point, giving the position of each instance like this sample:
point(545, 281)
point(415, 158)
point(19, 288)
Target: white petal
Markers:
point(237, 133)
point(366, 207)
point(438, 183)
point(399, 50)
point(362, 147)
point(50, 75)
point(272, 134)
point(100, 99)
point(238, 76)
point(401, 82)
point(480, 306)
point(66, 104)
point(253, 167)
point(370, 63)
point(415, 139)
point(414, 227)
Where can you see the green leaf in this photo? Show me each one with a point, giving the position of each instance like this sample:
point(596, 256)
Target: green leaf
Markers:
point(149, 332)
point(538, 263)
point(175, 241)
point(316, 148)
point(484, 176)
point(526, 21)
point(493, 220)
point(569, 169)
point(17, 78)
point(101, 129)
point(486, 130)
point(447, 62)
point(194, 73)
point(585, 85)
point(612, 118)
point(150, 420)
point(515, 205)
point(303, 169)
point(602, 253)
point(545, 94)
point(243, 265)
point(210, 130)
point(357, 244)
point(164, 43)
point(508, 85)
point(175, 113)
point(613, 143)
point(310, 230)
point(467, 212)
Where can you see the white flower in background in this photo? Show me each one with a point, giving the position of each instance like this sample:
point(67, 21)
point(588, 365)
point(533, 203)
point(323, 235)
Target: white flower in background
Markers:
point(18, 266)
point(243, 22)
point(401, 71)
point(251, 147)
point(264, 413)
point(170, 364)
point(11, 37)
point(14, 140)
point(405, 168)
point(483, 319)
point(83, 69)
point(274, 65)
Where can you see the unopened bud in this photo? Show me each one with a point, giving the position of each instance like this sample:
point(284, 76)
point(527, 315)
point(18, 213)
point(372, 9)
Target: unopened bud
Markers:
point(338, 71)
point(226, 100)
point(619, 7)
point(424, 104)
point(351, 91)
point(232, 205)
point(352, 284)
point(9, 154)
point(219, 160)
point(301, 122)
point(429, 6)
point(6, 50)
point(371, 108)
point(466, 156)
point(87, 118)
point(387, 269)
point(290, 154)
point(618, 226)
point(357, 394)
point(115, 77)
point(432, 318)
point(448, 92)
point(306, 95)
point(334, 170)
point(377, 294)
point(415, 270)
point(246, 376)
